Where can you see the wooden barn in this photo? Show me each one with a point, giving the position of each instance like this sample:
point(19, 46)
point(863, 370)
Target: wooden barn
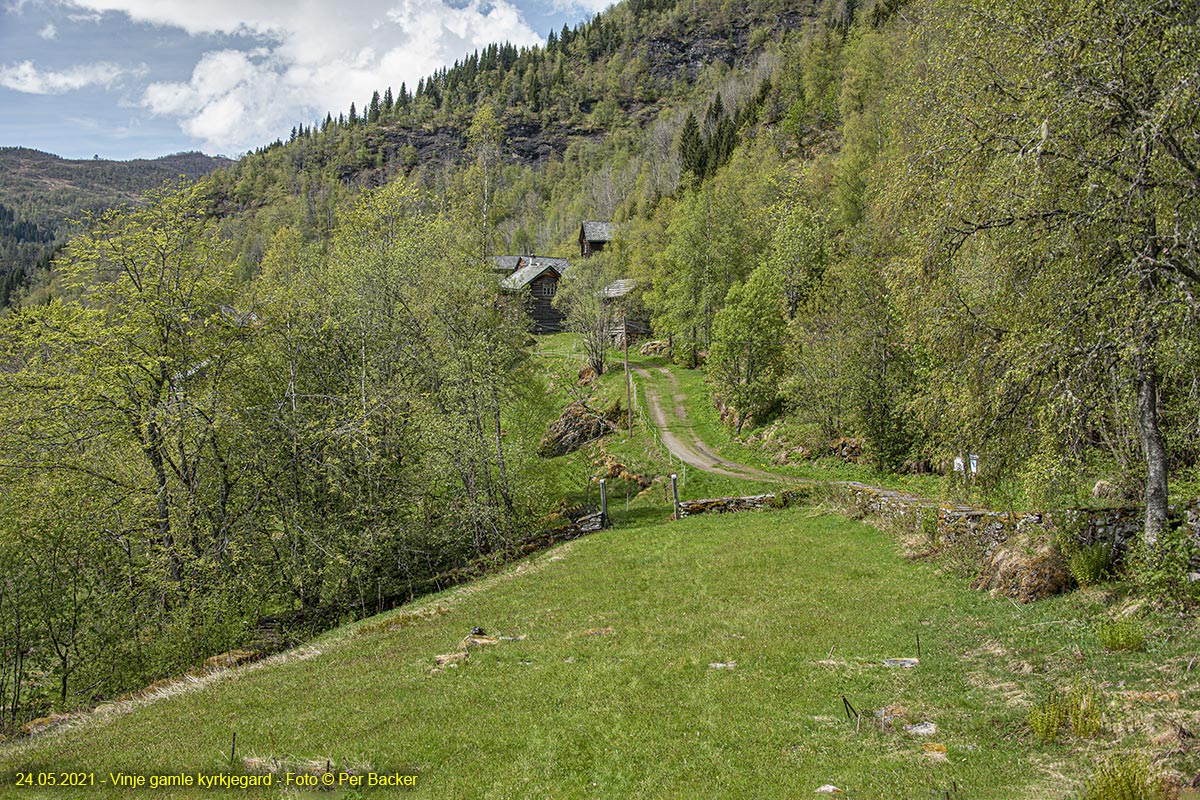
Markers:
point(537, 278)
point(593, 236)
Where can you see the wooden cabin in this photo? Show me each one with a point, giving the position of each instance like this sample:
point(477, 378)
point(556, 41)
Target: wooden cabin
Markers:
point(593, 236)
point(537, 277)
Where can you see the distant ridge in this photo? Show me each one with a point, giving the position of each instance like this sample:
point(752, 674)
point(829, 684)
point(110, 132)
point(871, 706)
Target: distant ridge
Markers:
point(41, 192)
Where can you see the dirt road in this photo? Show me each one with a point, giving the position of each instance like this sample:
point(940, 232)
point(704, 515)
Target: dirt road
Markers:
point(691, 450)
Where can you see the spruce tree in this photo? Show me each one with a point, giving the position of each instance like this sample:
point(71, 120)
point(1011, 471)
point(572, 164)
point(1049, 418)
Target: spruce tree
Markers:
point(691, 147)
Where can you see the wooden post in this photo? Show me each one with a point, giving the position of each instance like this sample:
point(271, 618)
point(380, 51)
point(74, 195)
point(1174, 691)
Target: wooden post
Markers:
point(603, 503)
point(675, 492)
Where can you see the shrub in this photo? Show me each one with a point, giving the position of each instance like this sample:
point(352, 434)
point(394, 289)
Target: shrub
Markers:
point(929, 525)
point(1161, 571)
point(1125, 778)
point(1090, 563)
point(1121, 635)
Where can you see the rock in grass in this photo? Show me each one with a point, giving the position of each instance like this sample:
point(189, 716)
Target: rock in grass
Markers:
point(921, 729)
point(889, 715)
point(448, 659)
point(828, 788)
point(906, 663)
point(722, 665)
point(577, 426)
point(1025, 569)
point(478, 641)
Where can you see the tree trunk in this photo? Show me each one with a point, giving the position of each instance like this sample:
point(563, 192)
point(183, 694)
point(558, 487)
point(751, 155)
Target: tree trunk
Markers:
point(1154, 449)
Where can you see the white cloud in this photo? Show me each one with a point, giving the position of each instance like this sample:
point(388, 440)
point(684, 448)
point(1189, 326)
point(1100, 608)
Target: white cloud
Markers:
point(49, 32)
point(315, 56)
point(25, 77)
point(592, 6)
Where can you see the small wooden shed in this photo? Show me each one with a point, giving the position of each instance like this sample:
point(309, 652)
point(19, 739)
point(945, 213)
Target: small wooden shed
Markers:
point(593, 236)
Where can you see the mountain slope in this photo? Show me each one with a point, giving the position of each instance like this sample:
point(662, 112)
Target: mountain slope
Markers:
point(41, 194)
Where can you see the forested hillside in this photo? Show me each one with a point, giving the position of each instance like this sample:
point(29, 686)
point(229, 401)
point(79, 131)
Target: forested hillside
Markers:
point(42, 196)
point(938, 228)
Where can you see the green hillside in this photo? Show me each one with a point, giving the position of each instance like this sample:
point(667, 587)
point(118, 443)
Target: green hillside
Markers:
point(704, 658)
point(42, 196)
point(880, 240)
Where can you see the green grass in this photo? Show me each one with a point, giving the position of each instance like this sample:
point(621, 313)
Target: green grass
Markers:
point(1121, 635)
point(562, 357)
point(639, 712)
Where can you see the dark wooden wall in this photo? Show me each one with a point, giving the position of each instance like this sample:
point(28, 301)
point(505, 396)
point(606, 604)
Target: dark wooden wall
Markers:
point(546, 318)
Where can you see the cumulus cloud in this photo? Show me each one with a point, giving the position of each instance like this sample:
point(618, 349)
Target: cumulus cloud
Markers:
point(312, 56)
point(592, 6)
point(25, 77)
point(49, 32)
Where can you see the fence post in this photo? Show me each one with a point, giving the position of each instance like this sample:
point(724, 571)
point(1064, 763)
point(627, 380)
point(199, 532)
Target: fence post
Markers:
point(675, 492)
point(603, 503)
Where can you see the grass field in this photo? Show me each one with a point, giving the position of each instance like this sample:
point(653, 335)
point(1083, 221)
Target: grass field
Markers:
point(608, 687)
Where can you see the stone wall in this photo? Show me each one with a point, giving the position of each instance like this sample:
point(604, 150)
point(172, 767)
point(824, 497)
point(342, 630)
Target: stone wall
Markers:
point(757, 502)
point(945, 523)
point(725, 505)
point(959, 524)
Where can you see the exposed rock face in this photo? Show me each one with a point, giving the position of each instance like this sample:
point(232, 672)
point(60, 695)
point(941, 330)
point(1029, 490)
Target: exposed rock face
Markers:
point(672, 58)
point(1025, 569)
point(577, 426)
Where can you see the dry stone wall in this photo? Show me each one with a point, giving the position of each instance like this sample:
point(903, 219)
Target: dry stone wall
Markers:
point(951, 524)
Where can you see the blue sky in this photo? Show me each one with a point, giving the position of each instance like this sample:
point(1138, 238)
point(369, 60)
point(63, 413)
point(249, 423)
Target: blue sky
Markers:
point(142, 78)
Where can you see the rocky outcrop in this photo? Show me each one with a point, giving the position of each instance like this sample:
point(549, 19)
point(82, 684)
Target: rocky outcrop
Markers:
point(1026, 569)
point(576, 426)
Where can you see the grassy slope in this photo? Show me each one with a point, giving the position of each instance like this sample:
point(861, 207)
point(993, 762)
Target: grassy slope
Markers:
point(640, 712)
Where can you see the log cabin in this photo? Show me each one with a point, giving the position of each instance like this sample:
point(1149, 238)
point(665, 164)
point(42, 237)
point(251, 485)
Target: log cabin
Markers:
point(593, 236)
point(537, 277)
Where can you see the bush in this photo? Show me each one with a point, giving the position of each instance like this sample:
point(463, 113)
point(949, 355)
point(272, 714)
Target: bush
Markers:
point(1125, 778)
point(1121, 635)
point(1090, 564)
point(1161, 571)
point(929, 525)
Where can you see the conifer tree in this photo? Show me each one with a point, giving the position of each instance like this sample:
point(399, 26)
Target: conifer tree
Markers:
point(691, 147)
